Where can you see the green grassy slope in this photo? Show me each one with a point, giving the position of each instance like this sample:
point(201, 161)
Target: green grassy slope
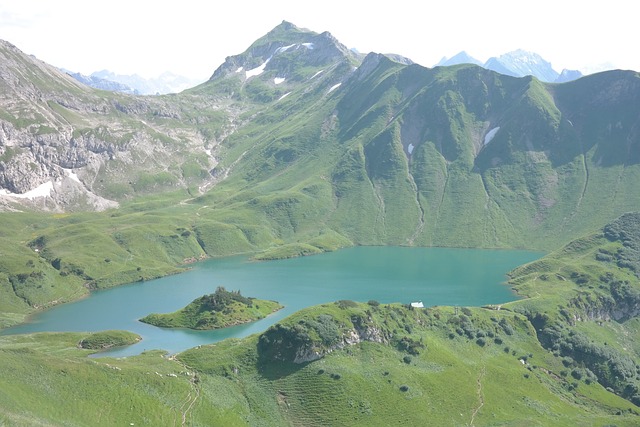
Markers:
point(58, 258)
point(476, 367)
point(402, 150)
point(46, 380)
point(583, 301)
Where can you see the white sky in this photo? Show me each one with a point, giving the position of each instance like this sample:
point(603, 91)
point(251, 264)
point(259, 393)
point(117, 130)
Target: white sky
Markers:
point(192, 38)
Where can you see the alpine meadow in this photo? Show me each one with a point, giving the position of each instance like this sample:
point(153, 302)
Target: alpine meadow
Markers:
point(300, 146)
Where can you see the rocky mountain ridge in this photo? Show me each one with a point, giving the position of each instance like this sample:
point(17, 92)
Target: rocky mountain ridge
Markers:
point(54, 128)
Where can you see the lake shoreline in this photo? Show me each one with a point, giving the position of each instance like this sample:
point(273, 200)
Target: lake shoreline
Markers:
point(189, 263)
point(388, 274)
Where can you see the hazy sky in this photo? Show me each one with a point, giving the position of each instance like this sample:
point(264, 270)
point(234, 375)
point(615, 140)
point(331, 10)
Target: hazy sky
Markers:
point(192, 38)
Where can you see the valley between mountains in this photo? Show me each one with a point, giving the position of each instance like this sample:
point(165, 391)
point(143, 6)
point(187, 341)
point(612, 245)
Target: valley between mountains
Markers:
point(299, 146)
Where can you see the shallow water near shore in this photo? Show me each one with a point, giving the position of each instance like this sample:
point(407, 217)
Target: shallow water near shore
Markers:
point(435, 276)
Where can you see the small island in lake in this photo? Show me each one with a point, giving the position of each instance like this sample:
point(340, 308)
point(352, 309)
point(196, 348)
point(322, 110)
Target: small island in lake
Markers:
point(104, 340)
point(218, 310)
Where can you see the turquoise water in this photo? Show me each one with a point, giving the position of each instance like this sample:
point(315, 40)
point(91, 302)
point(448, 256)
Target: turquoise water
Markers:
point(436, 276)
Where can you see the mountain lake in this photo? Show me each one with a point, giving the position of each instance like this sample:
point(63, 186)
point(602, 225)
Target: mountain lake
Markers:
point(435, 276)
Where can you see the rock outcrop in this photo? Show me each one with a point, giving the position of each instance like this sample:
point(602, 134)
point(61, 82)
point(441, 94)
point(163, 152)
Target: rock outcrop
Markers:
point(311, 339)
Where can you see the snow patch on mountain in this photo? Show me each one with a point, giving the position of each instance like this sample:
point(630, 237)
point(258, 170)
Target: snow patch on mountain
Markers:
point(43, 190)
point(258, 70)
point(491, 134)
point(334, 87)
point(283, 96)
point(278, 80)
point(316, 75)
point(284, 48)
point(72, 175)
point(410, 148)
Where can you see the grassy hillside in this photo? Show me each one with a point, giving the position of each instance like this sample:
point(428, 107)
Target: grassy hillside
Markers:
point(47, 380)
point(50, 259)
point(370, 365)
point(584, 302)
point(218, 310)
point(566, 354)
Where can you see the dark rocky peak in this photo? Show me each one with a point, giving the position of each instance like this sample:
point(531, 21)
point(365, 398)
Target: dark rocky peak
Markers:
point(284, 26)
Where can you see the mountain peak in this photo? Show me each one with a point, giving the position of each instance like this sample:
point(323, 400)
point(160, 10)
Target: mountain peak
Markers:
point(568, 75)
point(520, 63)
point(524, 56)
point(285, 26)
point(283, 49)
point(459, 58)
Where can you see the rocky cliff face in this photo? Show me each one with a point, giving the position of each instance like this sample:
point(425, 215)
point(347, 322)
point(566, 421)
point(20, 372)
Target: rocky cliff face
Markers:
point(64, 146)
point(313, 338)
point(311, 352)
point(619, 308)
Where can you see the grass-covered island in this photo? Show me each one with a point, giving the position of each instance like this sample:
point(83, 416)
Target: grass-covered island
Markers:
point(220, 309)
point(106, 339)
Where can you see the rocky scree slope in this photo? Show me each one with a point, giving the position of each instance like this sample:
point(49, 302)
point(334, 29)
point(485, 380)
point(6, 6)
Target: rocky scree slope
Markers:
point(89, 148)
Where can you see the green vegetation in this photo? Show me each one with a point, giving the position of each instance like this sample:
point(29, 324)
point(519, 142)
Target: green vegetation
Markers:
point(45, 379)
point(583, 301)
point(107, 339)
point(567, 354)
point(361, 364)
point(396, 155)
point(218, 310)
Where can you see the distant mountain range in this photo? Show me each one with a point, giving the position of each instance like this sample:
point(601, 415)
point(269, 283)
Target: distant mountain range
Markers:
point(135, 84)
point(518, 63)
